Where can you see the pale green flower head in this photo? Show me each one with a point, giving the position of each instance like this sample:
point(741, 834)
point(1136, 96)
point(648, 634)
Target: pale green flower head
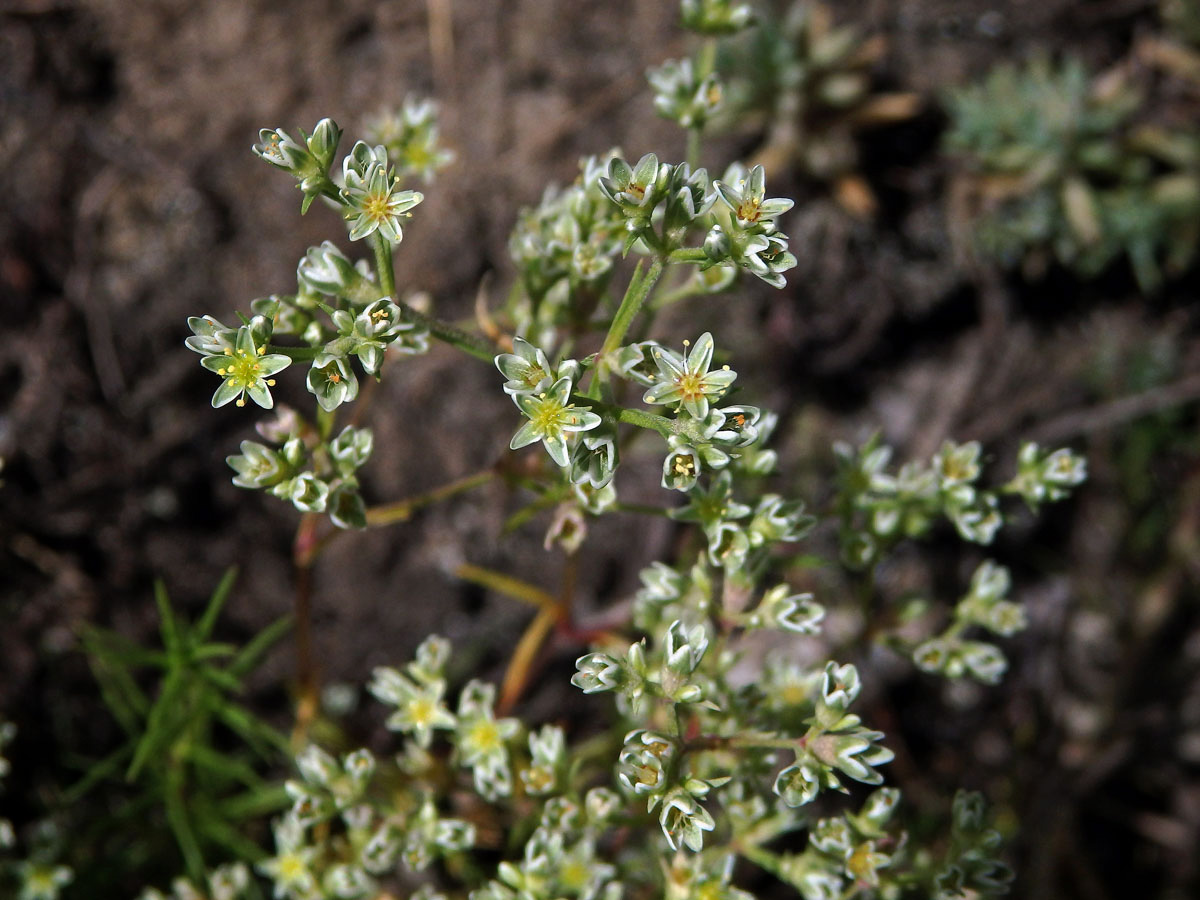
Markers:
point(686, 381)
point(747, 200)
point(410, 135)
point(482, 739)
point(766, 256)
point(552, 419)
point(527, 368)
point(326, 270)
point(247, 369)
point(683, 97)
point(258, 466)
point(291, 867)
point(332, 380)
point(681, 468)
point(42, 882)
point(307, 492)
point(715, 16)
point(373, 196)
point(210, 337)
point(684, 820)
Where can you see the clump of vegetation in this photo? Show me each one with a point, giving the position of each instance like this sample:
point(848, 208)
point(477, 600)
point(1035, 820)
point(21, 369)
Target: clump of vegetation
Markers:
point(809, 86)
point(1059, 167)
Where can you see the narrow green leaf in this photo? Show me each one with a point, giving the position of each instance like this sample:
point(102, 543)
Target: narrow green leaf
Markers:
point(254, 731)
point(208, 620)
point(167, 624)
point(253, 652)
point(159, 730)
point(204, 757)
point(100, 771)
point(268, 799)
point(181, 826)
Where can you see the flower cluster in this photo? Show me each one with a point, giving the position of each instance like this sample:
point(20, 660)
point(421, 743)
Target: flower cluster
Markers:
point(563, 250)
point(307, 159)
point(1046, 476)
point(845, 852)
point(879, 508)
point(662, 203)
point(683, 94)
point(342, 312)
point(410, 137)
point(718, 749)
point(228, 882)
point(745, 233)
point(315, 474)
point(342, 835)
point(984, 606)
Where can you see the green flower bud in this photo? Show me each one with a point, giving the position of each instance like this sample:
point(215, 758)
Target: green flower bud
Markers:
point(345, 506)
point(308, 492)
point(258, 466)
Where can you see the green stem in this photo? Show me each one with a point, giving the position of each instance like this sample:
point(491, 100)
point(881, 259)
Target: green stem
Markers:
point(450, 334)
point(402, 510)
point(643, 509)
point(639, 289)
point(296, 354)
point(664, 426)
point(687, 255)
point(383, 263)
point(661, 424)
point(706, 61)
point(693, 148)
point(746, 741)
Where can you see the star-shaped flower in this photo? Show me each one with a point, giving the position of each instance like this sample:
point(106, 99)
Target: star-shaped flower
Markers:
point(686, 380)
point(374, 199)
point(247, 369)
point(552, 418)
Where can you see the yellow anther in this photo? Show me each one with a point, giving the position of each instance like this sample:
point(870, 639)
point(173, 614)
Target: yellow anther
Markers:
point(241, 401)
point(687, 343)
point(228, 352)
point(270, 382)
point(221, 371)
point(262, 349)
point(725, 367)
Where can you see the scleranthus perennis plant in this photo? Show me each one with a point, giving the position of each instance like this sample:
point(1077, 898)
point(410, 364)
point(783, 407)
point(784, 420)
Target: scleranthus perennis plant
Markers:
point(712, 753)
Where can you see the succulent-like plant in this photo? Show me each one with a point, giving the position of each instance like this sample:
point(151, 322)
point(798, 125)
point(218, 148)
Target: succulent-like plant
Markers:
point(1058, 167)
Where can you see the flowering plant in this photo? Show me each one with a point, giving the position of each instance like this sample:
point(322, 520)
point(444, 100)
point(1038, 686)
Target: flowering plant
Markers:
point(733, 710)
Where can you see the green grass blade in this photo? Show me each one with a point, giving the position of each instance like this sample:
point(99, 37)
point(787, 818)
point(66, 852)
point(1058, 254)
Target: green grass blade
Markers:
point(253, 652)
point(208, 620)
